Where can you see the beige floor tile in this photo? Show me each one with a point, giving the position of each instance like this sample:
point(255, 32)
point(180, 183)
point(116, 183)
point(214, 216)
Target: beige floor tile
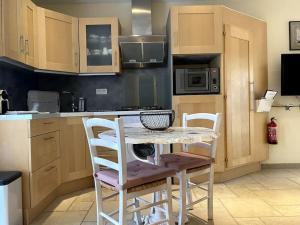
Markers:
point(249, 221)
point(283, 173)
point(281, 220)
point(61, 204)
point(280, 197)
point(241, 181)
point(78, 205)
point(60, 218)
point(278, 183)
point(221, 191)
point(91, 215)
point(288, 210)
point(89, 223)
point(295, 179)
point(242, 192)
point(295, 171)
point(248, 207)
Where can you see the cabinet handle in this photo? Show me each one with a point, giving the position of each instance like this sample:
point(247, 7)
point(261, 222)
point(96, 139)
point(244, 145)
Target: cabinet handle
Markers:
point(47, 123)
point(175, 38)
point(76, 59)
point(252, 96)
point(50, 168)
point(116, 58)
point(26, 47)
point(48, 138)
point(22, 44)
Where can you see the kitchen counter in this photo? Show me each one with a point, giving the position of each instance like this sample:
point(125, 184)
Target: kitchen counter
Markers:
point(70, 114)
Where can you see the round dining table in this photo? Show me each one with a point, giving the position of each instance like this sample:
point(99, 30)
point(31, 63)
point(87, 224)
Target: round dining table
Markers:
point(162, 140)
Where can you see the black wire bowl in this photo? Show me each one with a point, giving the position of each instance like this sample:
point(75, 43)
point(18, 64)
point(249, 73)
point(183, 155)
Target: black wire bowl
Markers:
point(159, 120)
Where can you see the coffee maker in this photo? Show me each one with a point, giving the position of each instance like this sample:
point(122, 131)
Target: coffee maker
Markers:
point(4, 104)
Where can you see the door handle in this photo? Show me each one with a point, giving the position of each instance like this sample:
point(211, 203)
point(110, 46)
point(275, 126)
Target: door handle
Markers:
point(48, 139)
point(252, 96)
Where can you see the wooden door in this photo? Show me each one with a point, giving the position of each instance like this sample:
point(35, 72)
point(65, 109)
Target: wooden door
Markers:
point(30, 25)
point(13, 37)
point(196, 29)
point(99, 48)
point(201, 104)
point(57, 41)
point(74, 150)
point(240, 95)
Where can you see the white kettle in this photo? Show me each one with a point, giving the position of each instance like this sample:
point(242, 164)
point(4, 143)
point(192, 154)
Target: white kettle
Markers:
point(4, 104)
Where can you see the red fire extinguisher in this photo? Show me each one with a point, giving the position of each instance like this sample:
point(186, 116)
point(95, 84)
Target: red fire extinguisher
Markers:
point(272, 136)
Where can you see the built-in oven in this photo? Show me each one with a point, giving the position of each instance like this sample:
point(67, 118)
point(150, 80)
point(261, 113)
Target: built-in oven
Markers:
point(196, 81)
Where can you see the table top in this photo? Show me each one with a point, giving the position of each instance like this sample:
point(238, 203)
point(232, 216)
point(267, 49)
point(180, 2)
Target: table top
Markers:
point(140, 135)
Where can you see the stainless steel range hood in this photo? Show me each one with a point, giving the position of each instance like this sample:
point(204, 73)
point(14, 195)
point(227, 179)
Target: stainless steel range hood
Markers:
point(142, 49)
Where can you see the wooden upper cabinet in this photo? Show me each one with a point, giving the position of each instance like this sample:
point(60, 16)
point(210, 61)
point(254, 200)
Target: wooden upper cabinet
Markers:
point(240, 96)
point(13, 36)
point(30, 35)
point(19, 30)
point(99, 48)
point(196, 29)
point(57, 41)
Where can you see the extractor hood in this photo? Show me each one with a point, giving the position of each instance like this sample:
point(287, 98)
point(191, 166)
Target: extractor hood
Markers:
point(142, 49)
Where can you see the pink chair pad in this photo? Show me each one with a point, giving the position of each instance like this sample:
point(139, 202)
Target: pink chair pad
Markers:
point(138, 173)
point(184, 161)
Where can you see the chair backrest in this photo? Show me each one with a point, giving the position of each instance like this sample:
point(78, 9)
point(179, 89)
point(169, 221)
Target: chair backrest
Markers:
point(117, 144)
point(215, 118)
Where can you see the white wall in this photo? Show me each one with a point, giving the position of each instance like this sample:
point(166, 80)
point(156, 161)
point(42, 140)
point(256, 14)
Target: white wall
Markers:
point(276, 13)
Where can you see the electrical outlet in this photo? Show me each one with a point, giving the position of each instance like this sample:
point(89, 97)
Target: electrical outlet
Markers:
point(102, 91)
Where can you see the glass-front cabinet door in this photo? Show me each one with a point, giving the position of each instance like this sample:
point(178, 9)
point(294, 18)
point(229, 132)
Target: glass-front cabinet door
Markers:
point(99, 49)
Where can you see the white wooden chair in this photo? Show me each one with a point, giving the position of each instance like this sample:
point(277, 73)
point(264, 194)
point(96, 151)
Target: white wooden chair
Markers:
point(190, 165)
point(128, 180)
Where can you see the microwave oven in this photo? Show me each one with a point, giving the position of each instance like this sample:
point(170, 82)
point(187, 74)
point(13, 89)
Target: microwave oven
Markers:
point(189, 81)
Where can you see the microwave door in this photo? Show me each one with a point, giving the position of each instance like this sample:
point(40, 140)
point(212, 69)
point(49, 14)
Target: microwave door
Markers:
point(197, 81)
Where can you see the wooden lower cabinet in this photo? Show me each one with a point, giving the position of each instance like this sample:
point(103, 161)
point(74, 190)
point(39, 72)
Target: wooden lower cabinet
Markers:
point(75, 155)
point(44, 181)
point(197, 104)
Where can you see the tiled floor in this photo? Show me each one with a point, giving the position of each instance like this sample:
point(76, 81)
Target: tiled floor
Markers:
point(270, 197)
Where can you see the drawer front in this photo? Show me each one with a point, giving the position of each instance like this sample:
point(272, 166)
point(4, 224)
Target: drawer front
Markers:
point(44, 181)
point(43, 126)
point(44, 149)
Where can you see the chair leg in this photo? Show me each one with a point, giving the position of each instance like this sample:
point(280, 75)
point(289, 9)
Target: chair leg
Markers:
point(210, 193)
point(169, 213)
point(137, 215)
point(182, 198)
point(122, 207)
point(99, 202)
point(189, 194)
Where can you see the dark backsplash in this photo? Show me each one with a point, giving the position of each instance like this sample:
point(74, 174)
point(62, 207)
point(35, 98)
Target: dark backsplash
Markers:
point(132, 87)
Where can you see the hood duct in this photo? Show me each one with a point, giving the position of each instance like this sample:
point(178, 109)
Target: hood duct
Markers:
point(142, 49)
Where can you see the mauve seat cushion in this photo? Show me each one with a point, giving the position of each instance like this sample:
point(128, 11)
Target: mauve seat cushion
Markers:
point(184, 161)
point(138, 173)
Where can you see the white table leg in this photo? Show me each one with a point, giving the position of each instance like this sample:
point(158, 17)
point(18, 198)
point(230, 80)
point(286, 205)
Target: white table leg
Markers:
point(158, 215)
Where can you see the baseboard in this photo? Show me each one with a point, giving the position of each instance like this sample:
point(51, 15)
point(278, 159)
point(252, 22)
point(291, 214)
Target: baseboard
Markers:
point(280, 166)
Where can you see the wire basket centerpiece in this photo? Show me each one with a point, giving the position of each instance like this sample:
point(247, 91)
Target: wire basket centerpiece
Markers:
point(158, 120)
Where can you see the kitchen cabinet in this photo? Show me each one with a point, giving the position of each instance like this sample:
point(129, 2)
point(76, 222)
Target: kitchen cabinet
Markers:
point(201, 104)
point(99, 48)
point(76, 162)
point(19, 31)
point(57, 41)
point(244, 78)
point(240, 100)
point(196, 29)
